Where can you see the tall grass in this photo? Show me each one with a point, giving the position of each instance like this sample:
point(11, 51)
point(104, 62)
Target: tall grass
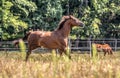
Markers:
point(94, 52)
point(61, 59)
point(22, 48)
point(51, 66)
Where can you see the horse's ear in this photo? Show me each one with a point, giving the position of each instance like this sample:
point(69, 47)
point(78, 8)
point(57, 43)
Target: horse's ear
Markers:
point(65, 17)
point(70, 16)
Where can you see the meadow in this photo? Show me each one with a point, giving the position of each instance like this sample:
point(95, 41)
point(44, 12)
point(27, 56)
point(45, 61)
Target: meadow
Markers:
point(48, 65)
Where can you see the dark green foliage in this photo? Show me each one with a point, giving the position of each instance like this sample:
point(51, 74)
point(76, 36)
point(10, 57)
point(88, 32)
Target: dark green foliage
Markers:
point(101, 17)
point(48, 14)
point(10, 24)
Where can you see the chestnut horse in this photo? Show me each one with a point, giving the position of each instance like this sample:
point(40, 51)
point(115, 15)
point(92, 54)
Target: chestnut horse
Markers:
point(105, 48)
point(57, 39)
point(99, 47)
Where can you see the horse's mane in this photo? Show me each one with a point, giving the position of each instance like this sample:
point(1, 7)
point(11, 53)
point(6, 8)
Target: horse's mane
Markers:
point(61, 23)
point(26, 35)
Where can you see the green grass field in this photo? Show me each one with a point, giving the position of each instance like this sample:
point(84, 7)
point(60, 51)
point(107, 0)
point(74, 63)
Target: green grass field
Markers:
point(48, 65)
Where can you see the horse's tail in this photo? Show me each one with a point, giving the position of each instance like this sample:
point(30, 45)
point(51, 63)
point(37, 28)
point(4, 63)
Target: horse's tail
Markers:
point(15, 43)
point(27, 35)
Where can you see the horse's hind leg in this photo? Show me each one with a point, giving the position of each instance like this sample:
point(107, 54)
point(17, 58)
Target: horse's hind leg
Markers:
point(60, 52)
point(30, 48)
point(108, 52)
point(63, 50)
point(27, 54)
point(104, 53)
point(111, 52)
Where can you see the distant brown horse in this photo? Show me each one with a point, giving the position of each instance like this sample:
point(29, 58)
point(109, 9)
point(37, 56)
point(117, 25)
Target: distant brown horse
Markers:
point(99, 47)
point(105, 48)
point(57, 39)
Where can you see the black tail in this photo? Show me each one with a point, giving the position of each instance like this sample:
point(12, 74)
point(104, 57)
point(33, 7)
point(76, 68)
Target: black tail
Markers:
point(26, 35)
point(15, 43)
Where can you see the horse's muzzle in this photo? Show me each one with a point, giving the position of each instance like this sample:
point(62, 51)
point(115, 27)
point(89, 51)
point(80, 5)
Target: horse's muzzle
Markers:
point(82, 25)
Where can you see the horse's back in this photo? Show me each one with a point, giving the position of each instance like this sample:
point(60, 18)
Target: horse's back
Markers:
point(106, 46)
point(99, 47)
point(40, 37)
point(34, 37)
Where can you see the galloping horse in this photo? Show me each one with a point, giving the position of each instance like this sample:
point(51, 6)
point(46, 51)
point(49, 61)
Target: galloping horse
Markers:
point(57, 39)
point(105, 48)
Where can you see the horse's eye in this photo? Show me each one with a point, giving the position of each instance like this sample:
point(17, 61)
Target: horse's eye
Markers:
point(74, 20)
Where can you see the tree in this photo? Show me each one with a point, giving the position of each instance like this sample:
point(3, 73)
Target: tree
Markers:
point(47, 15)
point(101, 19)
point(11, 23)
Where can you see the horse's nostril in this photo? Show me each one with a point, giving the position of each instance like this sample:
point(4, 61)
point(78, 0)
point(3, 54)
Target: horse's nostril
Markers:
point(82, 24)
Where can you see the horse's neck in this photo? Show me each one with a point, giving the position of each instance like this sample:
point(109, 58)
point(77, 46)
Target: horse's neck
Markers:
point(65, 31)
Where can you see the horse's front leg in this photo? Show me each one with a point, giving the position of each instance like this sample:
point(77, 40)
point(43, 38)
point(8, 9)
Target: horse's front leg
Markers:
point(104, 52)
point(30, 48)
point(111, 52)
point(108, 51)
point(67, 52)
point(61, 51)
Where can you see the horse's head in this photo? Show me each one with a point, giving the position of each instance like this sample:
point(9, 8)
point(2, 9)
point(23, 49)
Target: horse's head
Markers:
point(74, 21)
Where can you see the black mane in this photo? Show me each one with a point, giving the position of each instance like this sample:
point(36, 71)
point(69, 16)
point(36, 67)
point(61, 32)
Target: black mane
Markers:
point(61, 24)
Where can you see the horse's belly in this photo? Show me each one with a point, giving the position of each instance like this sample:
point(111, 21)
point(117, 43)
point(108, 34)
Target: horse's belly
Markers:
point(50, 45)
